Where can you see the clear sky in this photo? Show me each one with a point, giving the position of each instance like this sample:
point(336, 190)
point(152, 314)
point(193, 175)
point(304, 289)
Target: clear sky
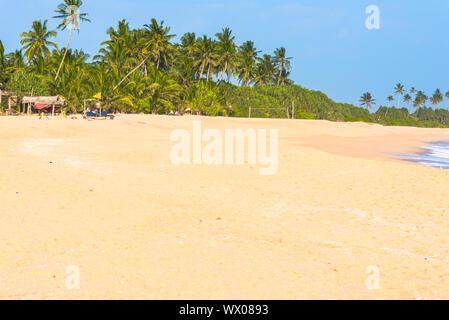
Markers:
point(333, 50)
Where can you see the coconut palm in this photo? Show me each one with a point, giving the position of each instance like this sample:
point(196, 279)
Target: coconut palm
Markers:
point(15, 61)
point(420, 99)
point(206, 56)
point(367, 100)
point(399, 90)
point(70, 15)
point(188, 44)
point(247, 62)
point(437, 98)
point(447, 96)
point(226, 50)
point(2, 54)
point(120, 52)
point(156, 44)
point(408, 100)
point(265, 74)
point(36, 42)
point(283, 64)
point(3, 76)
point(390, 99)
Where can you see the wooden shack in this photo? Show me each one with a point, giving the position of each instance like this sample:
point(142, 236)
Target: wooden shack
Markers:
point(50, 101)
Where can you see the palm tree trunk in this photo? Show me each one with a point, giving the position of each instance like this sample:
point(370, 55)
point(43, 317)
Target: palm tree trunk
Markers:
point(208, 73)
point(223, 72)
point(202, 70)
point(126, 77)
point(65, 53)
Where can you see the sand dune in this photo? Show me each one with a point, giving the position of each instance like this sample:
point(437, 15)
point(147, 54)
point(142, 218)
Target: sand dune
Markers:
point(104, 196)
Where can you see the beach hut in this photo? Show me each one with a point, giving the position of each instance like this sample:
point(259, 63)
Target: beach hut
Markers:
point(44, 103)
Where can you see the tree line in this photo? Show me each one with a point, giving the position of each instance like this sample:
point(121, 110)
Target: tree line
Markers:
point(415, 98)
point(138, 70)
point(144, 70)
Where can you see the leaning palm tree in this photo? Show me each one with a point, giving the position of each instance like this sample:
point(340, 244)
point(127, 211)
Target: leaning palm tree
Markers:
point(282, 63)
point(156, 44)
point(408, 100)
point(226, 50)
point(389, 99)
point(36, 41)
point(367, 100)
point(399, 90)
point(70, 15)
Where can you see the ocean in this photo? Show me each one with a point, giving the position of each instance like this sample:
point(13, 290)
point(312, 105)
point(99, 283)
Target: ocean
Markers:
point(436, 155)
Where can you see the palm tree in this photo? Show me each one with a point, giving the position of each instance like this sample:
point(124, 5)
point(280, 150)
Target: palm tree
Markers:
point(206, 57)
point(69, 13)
point(447, 96)
point(2, 65)
point(399, 90)
point(226, 49)
point(188, 44)
point(283, 64)
point(15, 61)
point(36, 41)
point(265, 74)
point(2, 54)
point(437, 98)
point(247, 62)
point(390, 99)
point(420, 99)
point(408, 100)
point(367, 100)
point(158, 42)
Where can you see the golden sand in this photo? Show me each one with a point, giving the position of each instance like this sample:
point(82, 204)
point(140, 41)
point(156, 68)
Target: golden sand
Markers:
point(103, 196)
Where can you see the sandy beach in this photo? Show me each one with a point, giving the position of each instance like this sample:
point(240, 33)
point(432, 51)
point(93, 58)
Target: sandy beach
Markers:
point(103, 196)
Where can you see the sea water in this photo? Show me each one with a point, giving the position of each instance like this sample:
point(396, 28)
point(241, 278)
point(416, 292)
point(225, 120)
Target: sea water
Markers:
point(436, 155)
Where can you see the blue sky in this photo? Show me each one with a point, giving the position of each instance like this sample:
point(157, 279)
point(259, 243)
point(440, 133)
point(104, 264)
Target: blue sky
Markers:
point(333, 50)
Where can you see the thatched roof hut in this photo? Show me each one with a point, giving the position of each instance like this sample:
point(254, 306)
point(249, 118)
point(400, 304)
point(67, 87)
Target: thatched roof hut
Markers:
point(57, 100)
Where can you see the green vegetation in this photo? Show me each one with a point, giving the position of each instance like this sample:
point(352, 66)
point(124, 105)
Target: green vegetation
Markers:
point(145, 71)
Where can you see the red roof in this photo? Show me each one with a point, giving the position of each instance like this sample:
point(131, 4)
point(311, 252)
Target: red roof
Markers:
point(44, 107)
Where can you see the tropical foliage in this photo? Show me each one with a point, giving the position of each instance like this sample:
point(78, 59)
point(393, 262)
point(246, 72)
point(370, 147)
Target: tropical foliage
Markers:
point(145, 70)
point(139, 70)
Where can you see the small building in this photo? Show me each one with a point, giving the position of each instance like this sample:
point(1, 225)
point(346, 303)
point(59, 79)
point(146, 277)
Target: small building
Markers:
point(44, 103)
